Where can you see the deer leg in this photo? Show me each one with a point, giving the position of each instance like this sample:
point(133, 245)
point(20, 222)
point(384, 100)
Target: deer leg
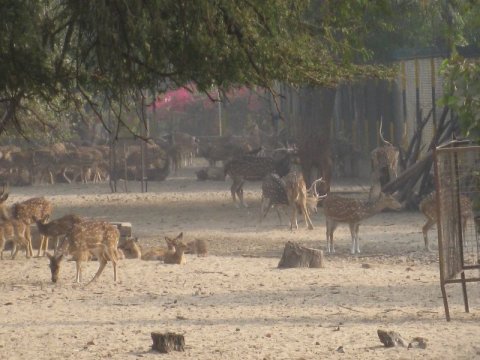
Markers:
point(42, 241)
point(354, 238)
point(29, 240)
point(357, 238)
point(103, 263)
point(426, 227)
point(306, 216)
point(264, 208)
point(78, 277)
point(331, 226)
point(293, 216)
point(2, 245)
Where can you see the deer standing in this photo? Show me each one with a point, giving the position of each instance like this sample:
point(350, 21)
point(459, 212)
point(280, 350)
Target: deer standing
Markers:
point(384, 160)
point(89, 237)
point(27, 212)
point(428, 206)
point(298, 197)
point(13, 230)
point(339, 209)
point(57, 229)
point(274, 194)
point(251, 167)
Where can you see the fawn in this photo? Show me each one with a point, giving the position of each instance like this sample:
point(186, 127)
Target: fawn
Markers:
point(176, 256)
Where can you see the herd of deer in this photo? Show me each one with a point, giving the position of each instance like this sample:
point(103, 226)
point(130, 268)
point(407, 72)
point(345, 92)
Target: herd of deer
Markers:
point(80, 237)
point(283, 185)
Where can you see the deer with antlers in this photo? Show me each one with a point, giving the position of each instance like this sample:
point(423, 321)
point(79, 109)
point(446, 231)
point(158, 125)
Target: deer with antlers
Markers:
point(27, 211)
point(89, 237)
point(291, 192)
point(384, 160)
point(352, 211)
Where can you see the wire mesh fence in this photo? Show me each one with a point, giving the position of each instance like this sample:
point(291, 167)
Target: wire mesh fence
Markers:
point(457, 174)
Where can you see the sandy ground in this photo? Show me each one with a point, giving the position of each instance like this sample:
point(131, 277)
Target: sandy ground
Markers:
point(235, 303)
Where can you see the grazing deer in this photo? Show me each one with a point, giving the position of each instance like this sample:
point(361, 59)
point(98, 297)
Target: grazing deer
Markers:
point(251, 167)
point(57, 229)
point(27, 211)
point(428, 206)
point(384, 160)
point(89, 237)
point(197, 246)
point(176, 256)
point(338, 209)
point(13, 230)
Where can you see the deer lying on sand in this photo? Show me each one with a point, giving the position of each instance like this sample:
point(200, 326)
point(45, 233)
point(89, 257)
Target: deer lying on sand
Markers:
point(131, 248)
point(339, 209)
point(90, 237)
point(176, 256)
point(428, 206)
point(158, 252)
point(197, 246)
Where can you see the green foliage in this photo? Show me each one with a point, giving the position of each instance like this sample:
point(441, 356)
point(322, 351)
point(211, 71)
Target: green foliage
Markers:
point(462, 92)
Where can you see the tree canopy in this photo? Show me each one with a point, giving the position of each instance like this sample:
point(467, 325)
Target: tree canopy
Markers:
point(60, 53)
point(62, 56)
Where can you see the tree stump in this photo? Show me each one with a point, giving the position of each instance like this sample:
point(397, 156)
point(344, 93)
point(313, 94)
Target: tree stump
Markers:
point(391, 338)
point(295, 255)
point(167, 342)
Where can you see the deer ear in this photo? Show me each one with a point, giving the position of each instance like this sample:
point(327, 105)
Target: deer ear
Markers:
point(180, 236)
point(49, 255)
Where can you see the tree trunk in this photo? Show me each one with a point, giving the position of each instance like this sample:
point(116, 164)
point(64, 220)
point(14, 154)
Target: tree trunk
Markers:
point(295, 255)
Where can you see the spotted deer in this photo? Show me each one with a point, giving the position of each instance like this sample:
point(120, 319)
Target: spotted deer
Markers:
point(251, 167)
point(274, 194)
point(298, 197)
point(384, 160)
point(176, 255)
point(27, 211)
point(13, 230)
point(158, 252)
point(87, 238)
point(339, 209)
point(56, 229)
point(428, 206)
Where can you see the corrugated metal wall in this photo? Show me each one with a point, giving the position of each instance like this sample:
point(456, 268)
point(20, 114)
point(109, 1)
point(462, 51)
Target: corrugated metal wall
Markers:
point(359, 107)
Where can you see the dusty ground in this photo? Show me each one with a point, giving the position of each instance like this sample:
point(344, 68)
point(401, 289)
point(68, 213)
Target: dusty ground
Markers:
point(235, 303)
